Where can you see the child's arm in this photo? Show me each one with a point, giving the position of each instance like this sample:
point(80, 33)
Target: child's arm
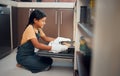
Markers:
point(39, 45)
point(44, 37)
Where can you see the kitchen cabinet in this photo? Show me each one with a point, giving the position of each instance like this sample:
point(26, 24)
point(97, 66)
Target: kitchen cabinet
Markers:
point(87, 15)
point(22, 17)
point(105, 59)
point(85, 21)
point(59, 22)
point(19, 22)
point(51, 27)
point(66, 23)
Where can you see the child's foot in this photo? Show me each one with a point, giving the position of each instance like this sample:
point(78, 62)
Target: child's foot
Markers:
point(48, 68)
point(18, 65)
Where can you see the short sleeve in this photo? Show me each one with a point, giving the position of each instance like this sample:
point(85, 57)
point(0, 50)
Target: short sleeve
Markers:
point(28, 34)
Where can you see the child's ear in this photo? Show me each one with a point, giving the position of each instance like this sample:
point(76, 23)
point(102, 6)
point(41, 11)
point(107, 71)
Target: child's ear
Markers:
point(35, 20)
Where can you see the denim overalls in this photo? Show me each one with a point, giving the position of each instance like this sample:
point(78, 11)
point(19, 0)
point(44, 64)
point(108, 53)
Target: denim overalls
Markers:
point(28, 59)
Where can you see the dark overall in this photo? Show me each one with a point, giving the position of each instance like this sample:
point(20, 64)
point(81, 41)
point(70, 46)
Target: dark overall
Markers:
point(27, 58)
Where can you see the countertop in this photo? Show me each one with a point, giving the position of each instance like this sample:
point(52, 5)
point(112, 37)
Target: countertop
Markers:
point(39, 4)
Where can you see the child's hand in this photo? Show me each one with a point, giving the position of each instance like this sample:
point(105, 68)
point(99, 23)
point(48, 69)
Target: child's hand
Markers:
point(56, 48)
point(59, 39)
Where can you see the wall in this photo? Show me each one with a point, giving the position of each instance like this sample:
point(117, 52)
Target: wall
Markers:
point(106, 49)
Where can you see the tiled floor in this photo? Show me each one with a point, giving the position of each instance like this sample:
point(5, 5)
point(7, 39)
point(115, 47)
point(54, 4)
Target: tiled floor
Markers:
point(61, 67)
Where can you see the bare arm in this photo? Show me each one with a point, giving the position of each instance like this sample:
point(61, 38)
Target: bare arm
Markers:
point(44, 37)
point(48, 39)
point(39, 45)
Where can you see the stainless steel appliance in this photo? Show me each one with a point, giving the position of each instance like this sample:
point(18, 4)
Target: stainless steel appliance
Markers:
point(5, 39)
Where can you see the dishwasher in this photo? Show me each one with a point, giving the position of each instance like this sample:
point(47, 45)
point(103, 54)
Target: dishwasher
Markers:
point(5, 38)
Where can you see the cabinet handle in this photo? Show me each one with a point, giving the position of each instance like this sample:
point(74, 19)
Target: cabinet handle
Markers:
point(61, 18)
point(56, 17)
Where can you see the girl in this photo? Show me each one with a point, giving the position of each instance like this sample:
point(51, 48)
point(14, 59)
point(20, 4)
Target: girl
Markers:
point(30, 40)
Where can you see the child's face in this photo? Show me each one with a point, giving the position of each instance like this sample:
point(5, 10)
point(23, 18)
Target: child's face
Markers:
point(40, 23)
